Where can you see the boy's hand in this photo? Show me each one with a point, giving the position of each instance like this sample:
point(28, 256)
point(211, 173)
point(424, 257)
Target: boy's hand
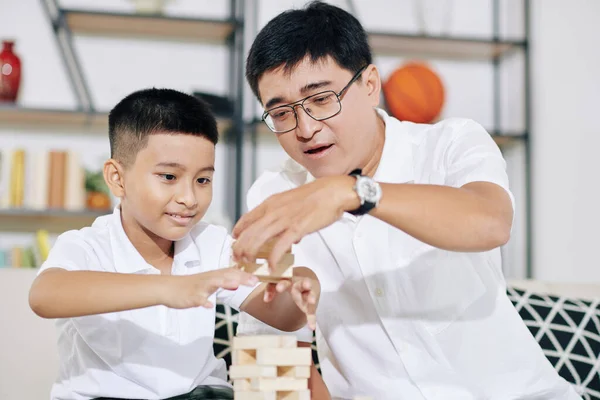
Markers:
point(304, 289)
point(189, 291)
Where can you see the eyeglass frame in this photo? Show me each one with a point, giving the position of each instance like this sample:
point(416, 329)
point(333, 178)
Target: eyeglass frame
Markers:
point(301, 103)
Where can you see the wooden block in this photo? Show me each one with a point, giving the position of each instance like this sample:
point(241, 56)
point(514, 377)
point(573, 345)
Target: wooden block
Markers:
point(249, 267)
point(250, 395)
point(243, 357)
point(294, 372)
point(252, 371)
point(263, 341)
point(263, 270)
point(241, 385)
point(300, 356)
point(295, 395)
point(278, 384)
point(286, 261)
point(253, 395)
point(267, 248)
point(271, 279)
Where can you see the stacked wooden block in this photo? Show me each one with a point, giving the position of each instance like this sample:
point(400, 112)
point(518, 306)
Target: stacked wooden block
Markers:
point(270, 367)
point(283, 269)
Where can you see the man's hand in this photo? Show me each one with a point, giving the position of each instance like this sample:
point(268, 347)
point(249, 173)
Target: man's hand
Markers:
point(187, 291)
point(305, 290)
point(290, 215)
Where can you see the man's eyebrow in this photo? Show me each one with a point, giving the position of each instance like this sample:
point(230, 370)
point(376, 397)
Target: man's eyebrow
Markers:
point(304, 90)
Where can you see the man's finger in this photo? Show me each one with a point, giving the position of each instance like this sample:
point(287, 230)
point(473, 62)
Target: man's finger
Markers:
point(311, 309)
point(282, 245)
point(298, 298)
point(248, 219)
point(258, 235)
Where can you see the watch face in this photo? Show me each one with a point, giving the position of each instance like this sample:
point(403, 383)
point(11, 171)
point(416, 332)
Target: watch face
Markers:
point(368, 190)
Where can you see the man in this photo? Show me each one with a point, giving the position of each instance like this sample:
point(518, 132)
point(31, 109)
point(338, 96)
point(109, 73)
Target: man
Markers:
point(401, 222)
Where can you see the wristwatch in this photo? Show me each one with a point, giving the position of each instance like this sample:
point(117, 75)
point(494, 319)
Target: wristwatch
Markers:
point(368, 191)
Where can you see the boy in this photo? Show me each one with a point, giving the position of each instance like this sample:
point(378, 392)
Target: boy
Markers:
point(134, 294)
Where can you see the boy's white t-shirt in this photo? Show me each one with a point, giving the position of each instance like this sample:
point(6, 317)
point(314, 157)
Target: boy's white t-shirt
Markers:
point(150, 353)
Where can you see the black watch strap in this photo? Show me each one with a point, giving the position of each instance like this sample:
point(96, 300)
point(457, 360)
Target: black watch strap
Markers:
point(366, 206)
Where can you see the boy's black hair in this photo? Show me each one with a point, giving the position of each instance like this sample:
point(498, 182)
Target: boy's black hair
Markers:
point(317, 31)
point(150, 111)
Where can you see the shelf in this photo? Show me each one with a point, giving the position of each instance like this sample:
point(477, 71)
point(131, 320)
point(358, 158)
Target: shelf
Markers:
point(14, 115)
point(440, 46)
point(148, 26)
point(56, 221)
point(45, 118)
point(501, 138)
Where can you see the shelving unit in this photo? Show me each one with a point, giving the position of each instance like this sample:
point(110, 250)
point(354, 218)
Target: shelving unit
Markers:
point(12, 115)
point(466, 49)
point(230, 32)
point(148, 26)
point(85, 117)
point(55, 221)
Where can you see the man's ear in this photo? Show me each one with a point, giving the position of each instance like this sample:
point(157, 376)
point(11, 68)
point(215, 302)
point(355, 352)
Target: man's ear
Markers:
point(115, 178)
point(372, 81)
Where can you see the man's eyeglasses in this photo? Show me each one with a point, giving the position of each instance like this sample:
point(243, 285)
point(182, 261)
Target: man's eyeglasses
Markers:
point(319, 106)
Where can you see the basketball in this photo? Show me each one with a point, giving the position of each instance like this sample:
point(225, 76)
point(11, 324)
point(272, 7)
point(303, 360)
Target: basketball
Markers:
point(414, 92)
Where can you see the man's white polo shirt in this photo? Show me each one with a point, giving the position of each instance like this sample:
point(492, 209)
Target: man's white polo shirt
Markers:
point(400, 319)
point(150, 353)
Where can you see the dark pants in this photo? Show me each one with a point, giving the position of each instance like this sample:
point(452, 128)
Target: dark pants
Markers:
point(200, 393)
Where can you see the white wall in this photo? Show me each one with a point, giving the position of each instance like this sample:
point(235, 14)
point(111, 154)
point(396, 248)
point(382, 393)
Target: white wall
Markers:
point(566, 139)
point(28, 353)
point(565, 63)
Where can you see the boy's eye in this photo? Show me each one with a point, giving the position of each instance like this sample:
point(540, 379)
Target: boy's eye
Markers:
point(203, 181)
point(168, 177)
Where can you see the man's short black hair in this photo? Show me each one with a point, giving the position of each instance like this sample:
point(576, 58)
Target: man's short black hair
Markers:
point(319, 30)
point(151, 111)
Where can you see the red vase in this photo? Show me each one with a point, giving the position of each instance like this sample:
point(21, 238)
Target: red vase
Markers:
point(10, 72)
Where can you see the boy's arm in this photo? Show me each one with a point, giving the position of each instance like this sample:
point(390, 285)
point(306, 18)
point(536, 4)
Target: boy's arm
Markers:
point(58, 293)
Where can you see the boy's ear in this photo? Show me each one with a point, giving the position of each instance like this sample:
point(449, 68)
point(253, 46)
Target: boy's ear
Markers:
point(114, 177)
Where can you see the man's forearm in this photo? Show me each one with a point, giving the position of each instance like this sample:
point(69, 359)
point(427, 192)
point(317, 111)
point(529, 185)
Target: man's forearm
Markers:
point(59, 293)
point(281, 313)
point(318, 389)
point(457, 219)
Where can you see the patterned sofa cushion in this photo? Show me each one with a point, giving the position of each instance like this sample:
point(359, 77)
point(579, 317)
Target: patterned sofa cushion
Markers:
point(568, 330)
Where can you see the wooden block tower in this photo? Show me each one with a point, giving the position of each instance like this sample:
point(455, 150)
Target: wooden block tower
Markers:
point(270, 367)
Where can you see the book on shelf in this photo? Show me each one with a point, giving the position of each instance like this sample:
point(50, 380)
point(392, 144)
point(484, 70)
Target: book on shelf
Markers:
point(41, 179)
point(31, 256)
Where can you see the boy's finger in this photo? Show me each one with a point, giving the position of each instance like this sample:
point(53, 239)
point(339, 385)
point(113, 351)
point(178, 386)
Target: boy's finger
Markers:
point(283, 285)
point(270, 292)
